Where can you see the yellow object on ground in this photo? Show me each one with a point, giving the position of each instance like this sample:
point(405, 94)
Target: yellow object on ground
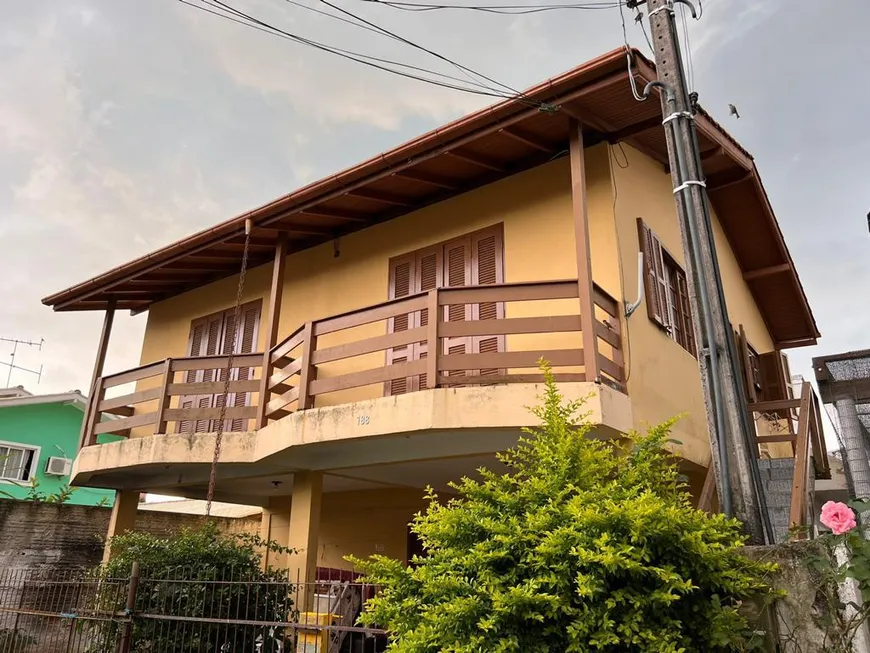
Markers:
point(315, 640)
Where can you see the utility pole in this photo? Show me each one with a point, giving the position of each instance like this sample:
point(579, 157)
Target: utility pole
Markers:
point(734, 460)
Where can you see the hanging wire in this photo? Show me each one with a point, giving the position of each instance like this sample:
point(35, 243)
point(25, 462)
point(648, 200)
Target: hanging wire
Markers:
point(237, 314)
point(366, 60)
point(412, 44)
point(690, 67)
point(516, 9)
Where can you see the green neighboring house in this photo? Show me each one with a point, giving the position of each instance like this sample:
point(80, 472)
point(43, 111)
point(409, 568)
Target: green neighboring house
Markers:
point(39, 438)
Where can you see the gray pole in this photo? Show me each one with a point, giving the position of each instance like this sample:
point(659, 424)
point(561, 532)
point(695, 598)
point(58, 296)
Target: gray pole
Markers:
point(852, 433)
point(732, 446)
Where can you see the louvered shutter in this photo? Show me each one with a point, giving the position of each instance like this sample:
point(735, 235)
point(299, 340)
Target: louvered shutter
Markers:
point(205, 335)
point(246, 340)
point(652, 263)
point(686, 314)
point(403, 274)
point(745, 364)
point(457, 273)
point(429, 269)
point(773, 385)
point(488, 269)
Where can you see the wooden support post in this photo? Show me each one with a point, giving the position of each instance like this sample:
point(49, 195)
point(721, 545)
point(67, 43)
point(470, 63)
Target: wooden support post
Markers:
point(164, 398)
point(308, 372)
point(584, 253)
point(276, 293)
point(797, 512)
point(99, 362)
point(93, 417)
point(433, 346)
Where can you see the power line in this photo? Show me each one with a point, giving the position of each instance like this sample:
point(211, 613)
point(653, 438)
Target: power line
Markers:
point(367, 60)
point(422, 48)
point(510, 10)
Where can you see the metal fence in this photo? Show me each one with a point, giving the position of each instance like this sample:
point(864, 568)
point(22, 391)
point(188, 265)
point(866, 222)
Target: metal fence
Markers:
point(68, 611)
point(189, 610)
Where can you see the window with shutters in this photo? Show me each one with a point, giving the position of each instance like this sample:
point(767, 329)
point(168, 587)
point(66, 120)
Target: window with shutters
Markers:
point(666, 290)
point(754, 373)
point(472, 260)
point(212, 335)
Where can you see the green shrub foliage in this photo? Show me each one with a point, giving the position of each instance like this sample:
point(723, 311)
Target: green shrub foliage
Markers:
point(199, 574)
point(584, 545)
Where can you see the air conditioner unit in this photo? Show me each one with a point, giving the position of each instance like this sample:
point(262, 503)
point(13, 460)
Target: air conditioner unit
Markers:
point(58, 466)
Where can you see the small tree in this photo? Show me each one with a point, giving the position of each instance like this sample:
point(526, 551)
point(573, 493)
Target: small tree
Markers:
point(213, 579)
point(585, 545)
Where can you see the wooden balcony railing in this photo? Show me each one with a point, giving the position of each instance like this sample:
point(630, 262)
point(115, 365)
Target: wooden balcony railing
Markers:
point(415, 335)
point(797, 422)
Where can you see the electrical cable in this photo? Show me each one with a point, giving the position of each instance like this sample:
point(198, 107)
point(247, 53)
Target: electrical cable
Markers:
point(518, 9)
point(364, 59)
point(437, 55)
point(229, 8)
point(690, 68)
point(611, 159)
point(375, 31)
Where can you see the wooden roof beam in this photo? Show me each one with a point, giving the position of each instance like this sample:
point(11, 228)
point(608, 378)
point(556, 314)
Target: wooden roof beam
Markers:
point(527, 139)
point(706, 154)
point(635, 129)
point(478, 160)
point(378, 196)
point(766, 272)
point(729, 178)
point(334, 213)
point(428, 178)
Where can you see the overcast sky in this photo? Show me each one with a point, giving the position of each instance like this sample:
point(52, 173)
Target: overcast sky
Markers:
point(126, 124)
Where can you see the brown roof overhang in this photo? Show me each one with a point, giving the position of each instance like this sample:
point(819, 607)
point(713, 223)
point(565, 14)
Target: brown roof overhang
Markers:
point(487, 145)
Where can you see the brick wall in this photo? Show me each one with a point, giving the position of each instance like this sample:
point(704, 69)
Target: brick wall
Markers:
point(63, 536)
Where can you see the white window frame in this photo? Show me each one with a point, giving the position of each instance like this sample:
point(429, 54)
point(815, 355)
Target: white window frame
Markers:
point(34, 466)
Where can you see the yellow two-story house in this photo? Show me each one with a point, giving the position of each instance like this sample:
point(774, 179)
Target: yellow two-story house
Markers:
point(392, 316)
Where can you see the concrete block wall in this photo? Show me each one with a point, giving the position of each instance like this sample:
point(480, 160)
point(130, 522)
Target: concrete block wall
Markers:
point(64, 536)
point(777, 476)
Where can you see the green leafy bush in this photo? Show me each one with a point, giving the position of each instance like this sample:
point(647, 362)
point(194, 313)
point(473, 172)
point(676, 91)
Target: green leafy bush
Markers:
point(203, 576)
point(585, 545)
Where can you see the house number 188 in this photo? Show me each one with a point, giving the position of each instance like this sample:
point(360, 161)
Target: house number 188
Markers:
point(363, 420)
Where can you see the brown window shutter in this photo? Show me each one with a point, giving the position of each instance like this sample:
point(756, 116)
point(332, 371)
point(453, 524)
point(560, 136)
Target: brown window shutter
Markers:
point(688, 323)
point(488, 269)
point(649, 245)
point(246, 344)
point(205, 337)
point(773, 385)
point(403, 278)
point(746, 365)
point(458, 273)
point(430, 268)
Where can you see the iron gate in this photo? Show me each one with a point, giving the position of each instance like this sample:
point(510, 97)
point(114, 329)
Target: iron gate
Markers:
point(181, 611)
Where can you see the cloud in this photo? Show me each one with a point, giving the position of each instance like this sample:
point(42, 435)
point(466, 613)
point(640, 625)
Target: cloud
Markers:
point(129, 124)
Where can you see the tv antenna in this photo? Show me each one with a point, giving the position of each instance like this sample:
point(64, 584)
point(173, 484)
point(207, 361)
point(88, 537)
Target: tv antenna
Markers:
point(11, 364)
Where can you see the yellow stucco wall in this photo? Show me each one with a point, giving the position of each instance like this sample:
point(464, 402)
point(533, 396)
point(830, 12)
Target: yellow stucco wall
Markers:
point(535, 210)
point(365, 523)
point(664, 379)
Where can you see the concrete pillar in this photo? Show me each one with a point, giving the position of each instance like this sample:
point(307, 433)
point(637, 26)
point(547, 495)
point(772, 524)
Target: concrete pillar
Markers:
point(275, 527)
point(304, 529)
point(123, 518)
